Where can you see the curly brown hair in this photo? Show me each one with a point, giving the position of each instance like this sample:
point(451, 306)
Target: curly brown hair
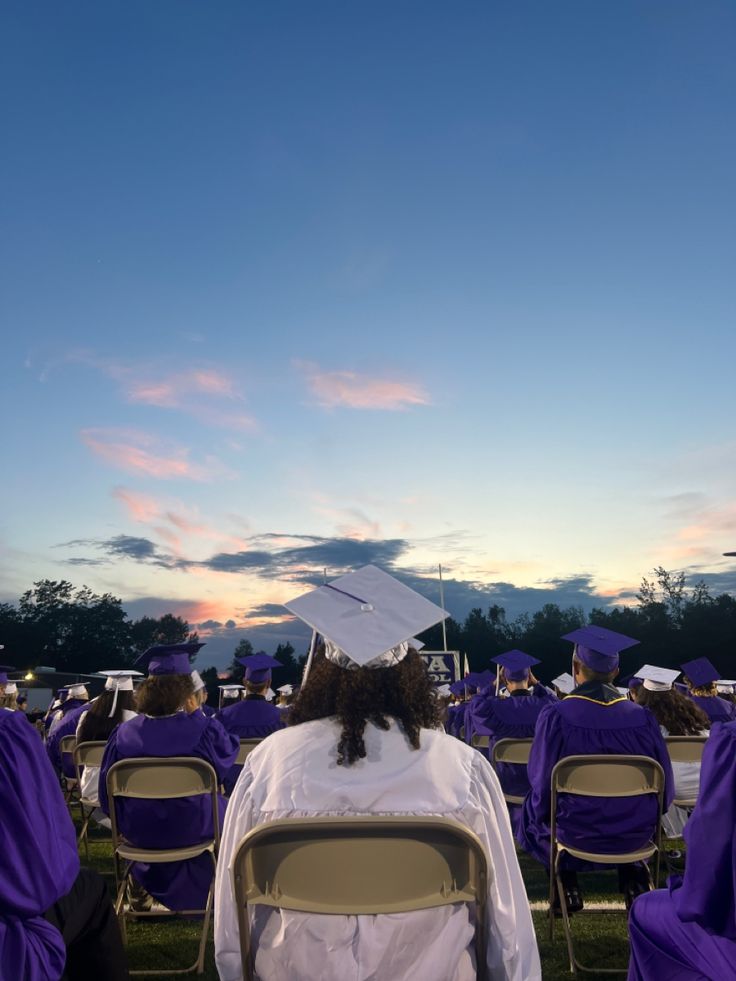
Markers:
point(354, 697)
point(164, 694)
point(678, 715)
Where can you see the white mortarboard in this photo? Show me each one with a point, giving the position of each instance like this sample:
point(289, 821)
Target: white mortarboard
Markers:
point(197, 681)
point(121, 680)
point(286, 689)
point(366, 617)
point(11, 688)
point(657, 679)
point(565, 682)
point(724, 685)
point(78, 691)
point(230, 691)
point(416, 643)
point(443, 691)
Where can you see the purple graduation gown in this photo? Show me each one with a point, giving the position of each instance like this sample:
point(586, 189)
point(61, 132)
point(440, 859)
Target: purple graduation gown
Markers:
point(717, 709)
point(39, 849)
point(173, 823)
point(687, 931)
point(67, 727)
point(514, 717)
point(251, 718)
point(593, 720)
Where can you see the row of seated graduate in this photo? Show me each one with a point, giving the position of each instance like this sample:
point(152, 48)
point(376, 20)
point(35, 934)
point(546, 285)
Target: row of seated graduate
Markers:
point(365, 736)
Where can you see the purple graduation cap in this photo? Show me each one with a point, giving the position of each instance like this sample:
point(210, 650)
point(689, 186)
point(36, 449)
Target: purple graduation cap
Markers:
point(516, 664)
point(167, 658)
point(4, 668)
point(700, 672)
point(258, 667)
point(458, 687)
point(598, 647)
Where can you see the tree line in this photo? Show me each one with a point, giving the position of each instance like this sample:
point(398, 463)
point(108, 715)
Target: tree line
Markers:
point(77, 630)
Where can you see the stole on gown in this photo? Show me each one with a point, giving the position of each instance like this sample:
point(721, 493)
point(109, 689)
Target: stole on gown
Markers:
point(170, 823)
point(37, 841)
point(688, 931)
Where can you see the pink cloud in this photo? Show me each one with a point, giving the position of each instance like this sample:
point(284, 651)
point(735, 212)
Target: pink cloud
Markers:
point(348, 389)
point(141, 453)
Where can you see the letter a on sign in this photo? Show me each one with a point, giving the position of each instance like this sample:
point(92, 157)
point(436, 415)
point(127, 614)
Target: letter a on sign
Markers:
point(437, 664)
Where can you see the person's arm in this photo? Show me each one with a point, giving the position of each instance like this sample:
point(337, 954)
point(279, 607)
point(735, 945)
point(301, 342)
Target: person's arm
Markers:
point(546, 751)
point(239, 819)
point(510, 938)
point(218, 747)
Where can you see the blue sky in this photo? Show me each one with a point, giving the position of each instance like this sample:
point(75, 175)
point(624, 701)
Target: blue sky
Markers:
point(404, 282)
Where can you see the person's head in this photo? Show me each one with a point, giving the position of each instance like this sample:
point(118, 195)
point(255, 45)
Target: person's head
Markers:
point(164, 694)
point(102, 715)
point(515, 670)
point(678, 714)
point(583, 672)
point(356, 696)
point(256, 688)
point(22, 702)
point(701, 677)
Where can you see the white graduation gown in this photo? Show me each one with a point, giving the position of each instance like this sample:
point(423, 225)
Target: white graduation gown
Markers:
point(294, 773)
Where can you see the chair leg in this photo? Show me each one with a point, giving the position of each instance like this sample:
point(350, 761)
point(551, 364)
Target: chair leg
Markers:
point(565, 920)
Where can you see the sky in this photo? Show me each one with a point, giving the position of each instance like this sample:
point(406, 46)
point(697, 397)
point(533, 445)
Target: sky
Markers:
point(288, 288)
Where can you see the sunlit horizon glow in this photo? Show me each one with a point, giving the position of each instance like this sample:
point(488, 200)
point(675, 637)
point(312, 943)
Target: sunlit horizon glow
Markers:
point(284, 295)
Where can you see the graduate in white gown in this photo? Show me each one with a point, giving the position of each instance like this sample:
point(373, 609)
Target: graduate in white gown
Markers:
point(363, 739)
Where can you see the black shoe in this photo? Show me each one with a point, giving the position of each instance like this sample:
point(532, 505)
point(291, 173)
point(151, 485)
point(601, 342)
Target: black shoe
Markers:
point(571, 892)
point(636, 885)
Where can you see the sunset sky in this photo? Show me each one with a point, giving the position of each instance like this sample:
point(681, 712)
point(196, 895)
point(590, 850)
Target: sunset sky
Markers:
point(289, 286)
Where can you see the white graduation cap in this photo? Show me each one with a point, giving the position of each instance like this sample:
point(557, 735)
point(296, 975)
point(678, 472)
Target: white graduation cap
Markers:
point(197, 681)
point(443, 691)
point(724, 684)
point(285, 689)
point(565, 682)
point(11, 688)
point(78, 691)
point(230, 691)
point(119, 680)
point(416, 643)
point(367, 617)
point(657, 679)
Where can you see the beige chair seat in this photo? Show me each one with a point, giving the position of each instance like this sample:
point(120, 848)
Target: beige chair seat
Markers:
point(131, 854)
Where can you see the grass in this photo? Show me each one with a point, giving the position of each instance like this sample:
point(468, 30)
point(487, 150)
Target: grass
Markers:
point(600, 940)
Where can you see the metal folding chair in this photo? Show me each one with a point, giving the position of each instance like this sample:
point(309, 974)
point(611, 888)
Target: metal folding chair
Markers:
point(87, 754)
point(360, 865)
point(70, 784)
point(511, 751)
point(685, 749)
point(604, 777)
point(478, 741)
point(246, 748)
point(162, 778)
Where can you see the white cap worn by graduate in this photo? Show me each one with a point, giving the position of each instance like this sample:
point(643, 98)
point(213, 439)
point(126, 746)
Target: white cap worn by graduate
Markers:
point(78, 691)
point(657, 679)
point(285, 690)
point(367, 618)
point(119, 680)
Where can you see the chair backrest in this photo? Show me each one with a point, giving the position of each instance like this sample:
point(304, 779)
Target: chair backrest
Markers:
point(67, 744)
point(360, 865)
point(89, 753)
point(685, 749)
point(479, 741)
point(162, 778)
point(607, 776)
point(246, 748)
point(511, 751)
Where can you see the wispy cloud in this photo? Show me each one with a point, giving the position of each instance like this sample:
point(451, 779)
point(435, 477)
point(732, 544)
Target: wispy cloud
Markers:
point(348, 389)
point(142, 453)
point(208, 394)
point(159, 513)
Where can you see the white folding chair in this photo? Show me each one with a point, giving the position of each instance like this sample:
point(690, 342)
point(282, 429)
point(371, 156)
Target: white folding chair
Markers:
point(360, 866)
point(162, 778)
point(606, 777)
point(87, 754)
point(511, 751)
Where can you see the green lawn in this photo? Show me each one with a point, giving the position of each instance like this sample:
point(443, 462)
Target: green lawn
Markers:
point(603, 941)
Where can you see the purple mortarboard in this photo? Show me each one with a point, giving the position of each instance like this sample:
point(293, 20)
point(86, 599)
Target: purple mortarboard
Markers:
point(4, 668)
point(457, 687)
point(516, 664)
point(258, 667)
point(700, 672)
point(598, 647)
point(633, 683)
point(167, 659)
